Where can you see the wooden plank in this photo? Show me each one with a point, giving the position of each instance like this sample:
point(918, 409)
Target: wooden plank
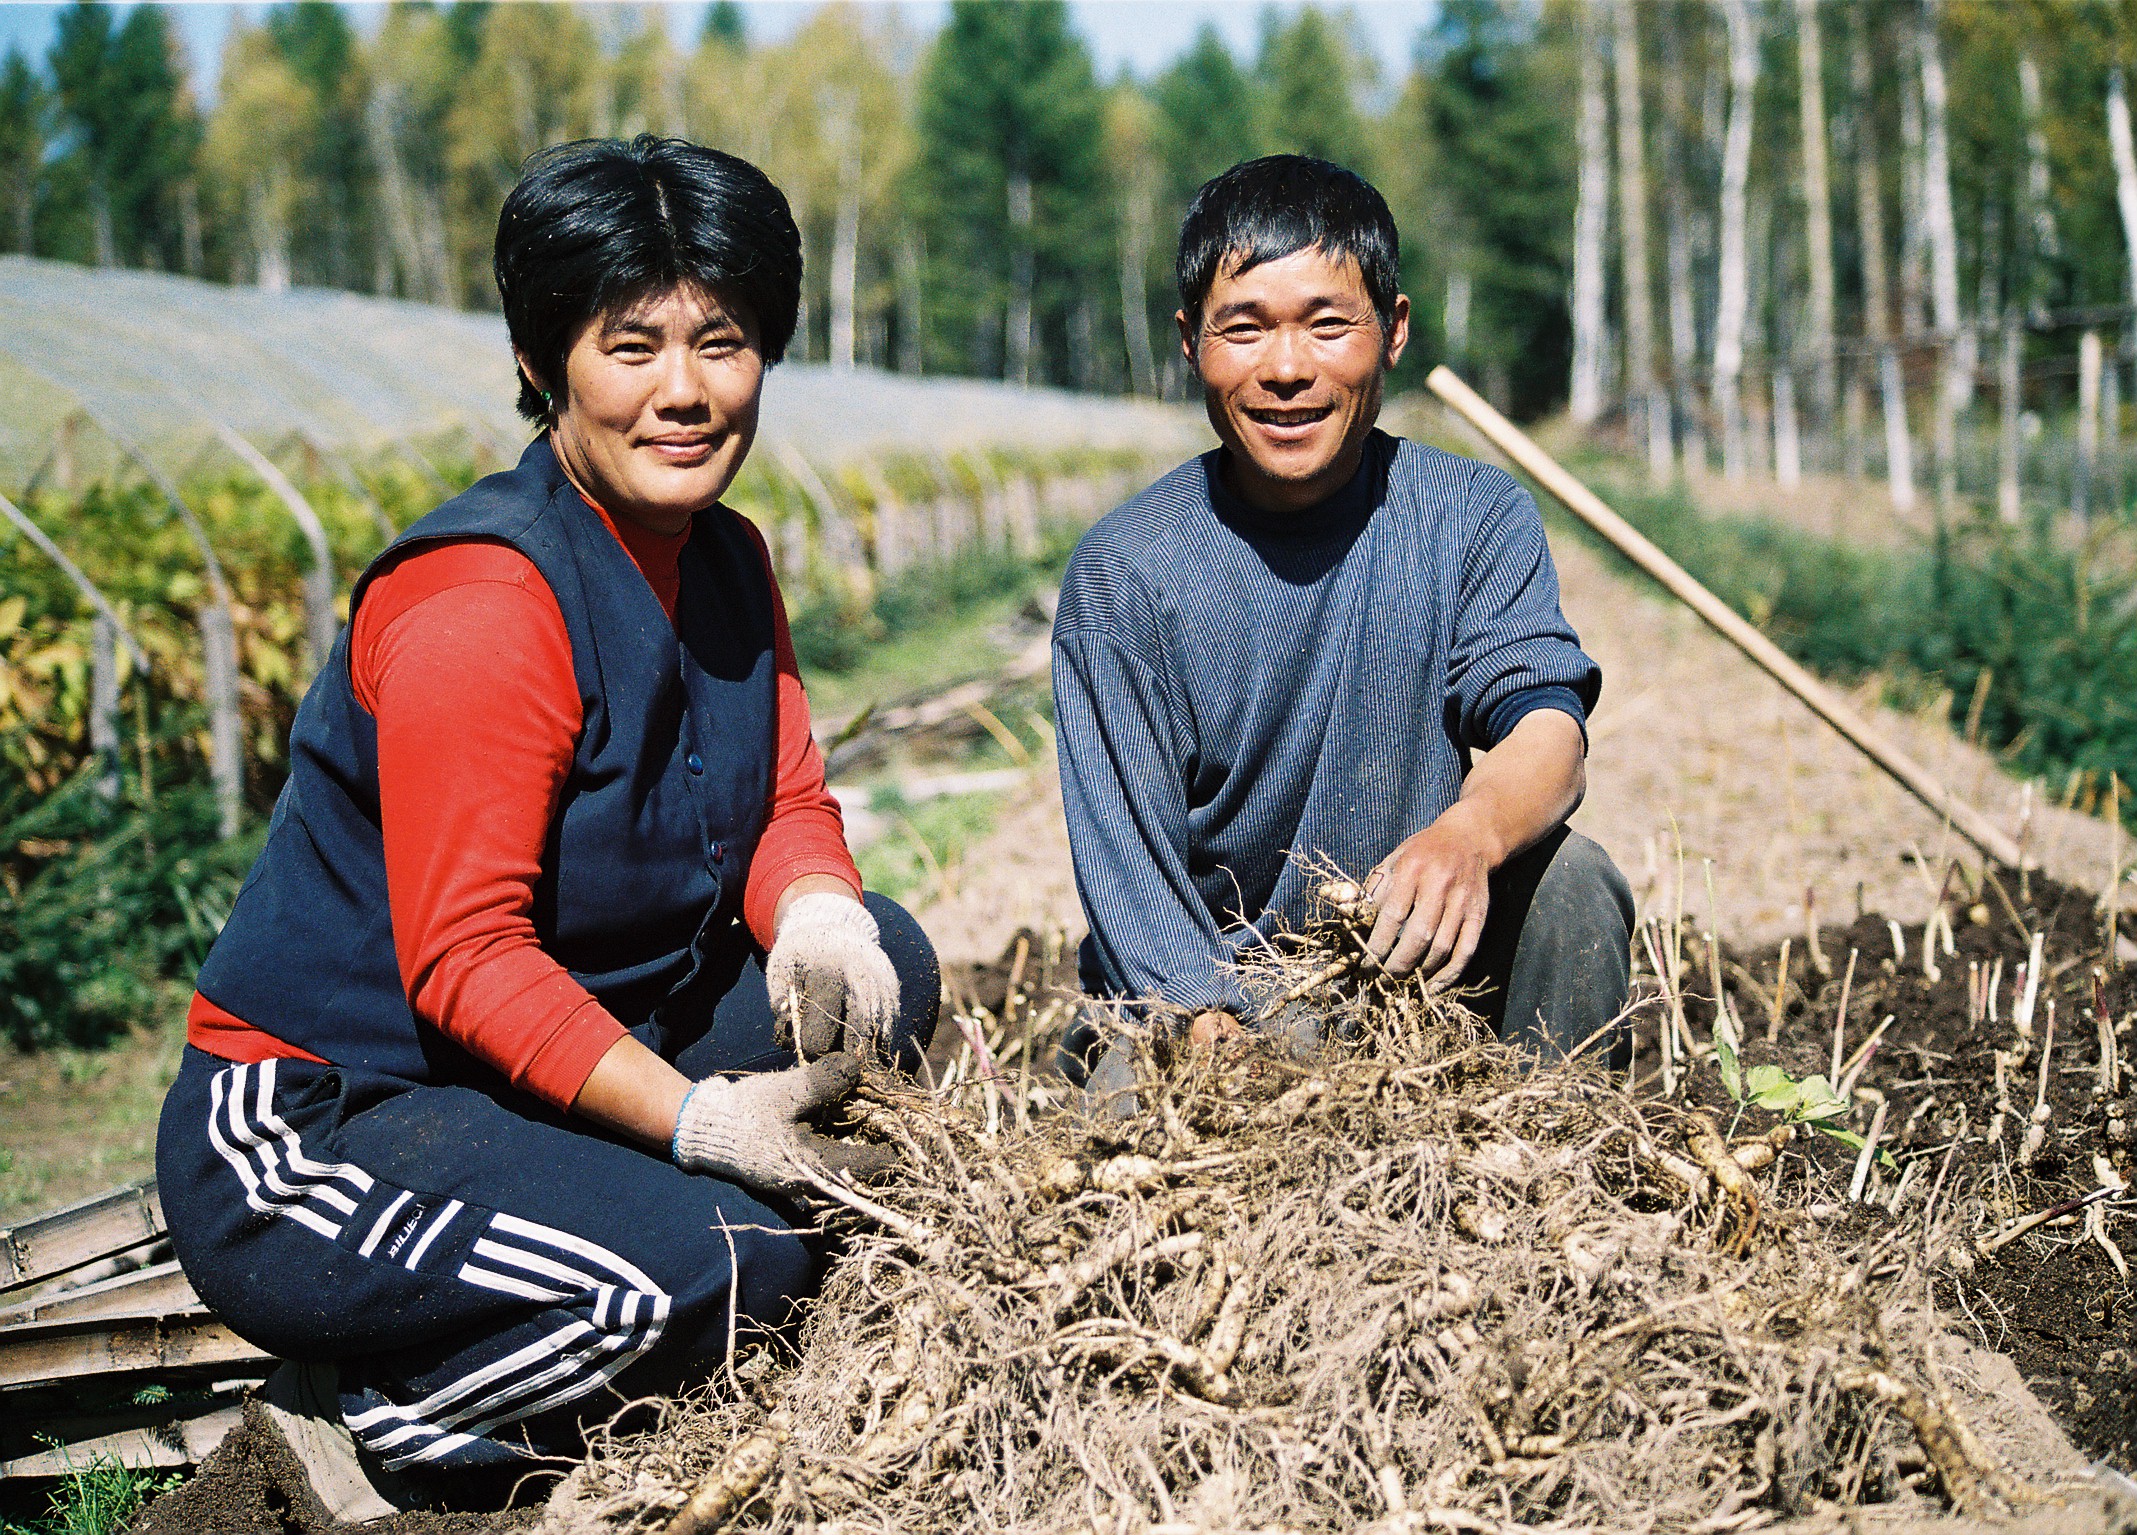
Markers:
point(38, 1352)
point(184, 1443)
point(146, 1294)
point(66, 1239)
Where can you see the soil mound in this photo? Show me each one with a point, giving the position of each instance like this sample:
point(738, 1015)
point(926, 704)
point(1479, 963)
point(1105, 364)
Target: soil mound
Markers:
point(1408, 1281)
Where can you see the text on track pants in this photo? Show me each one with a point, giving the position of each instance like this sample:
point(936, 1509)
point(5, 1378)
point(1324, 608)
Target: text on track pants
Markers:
point(478, 1267)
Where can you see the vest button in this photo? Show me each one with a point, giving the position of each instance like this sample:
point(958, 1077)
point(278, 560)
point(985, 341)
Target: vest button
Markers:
point(694, 762)
point(719, 852)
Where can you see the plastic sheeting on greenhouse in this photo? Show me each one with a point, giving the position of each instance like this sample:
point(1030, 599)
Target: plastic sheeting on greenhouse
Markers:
point(166, 359)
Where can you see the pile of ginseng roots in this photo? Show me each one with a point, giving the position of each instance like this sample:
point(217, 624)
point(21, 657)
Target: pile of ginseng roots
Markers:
point(1412, 1280)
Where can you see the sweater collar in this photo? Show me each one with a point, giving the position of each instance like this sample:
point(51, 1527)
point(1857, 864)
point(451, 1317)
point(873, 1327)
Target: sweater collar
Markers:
point(1343, 512)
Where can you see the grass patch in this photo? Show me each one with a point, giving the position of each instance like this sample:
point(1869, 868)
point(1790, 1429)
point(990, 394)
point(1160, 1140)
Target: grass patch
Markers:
point(2041, 628)
point(923, 628)
point(102, 1498)
point(921, 857)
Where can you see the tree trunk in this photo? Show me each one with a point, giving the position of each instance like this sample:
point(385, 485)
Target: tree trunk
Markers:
point(2114, 485)
point(393, 193)
point(1137, 213)
point(1734, 284)
point(2009, 447)
point(2118, 138)
point(1818, 215)
point(845, 232)
point(2039, 241)
point(191, 258)
point(1640, 386)
point(1787, 435)
point(911, 353)
point(1018, 348)
point(1876, 286)
point(1913, 292)
point(845, 272)
point(1854, 418)
point(1899, 445)
point(107, 250)
point(1590, 215)
point(1941, 227)
point(104, 705)
point(1455, 316)
point(2088, 433)
point(1684, 318)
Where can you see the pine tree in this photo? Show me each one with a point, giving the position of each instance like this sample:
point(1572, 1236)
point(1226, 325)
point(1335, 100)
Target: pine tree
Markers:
point(24, 109)
point(1494, 105)
point(1008, 187)
point(1208, 118)
point(1311, 73)
point(129, 134)
point(315, 40)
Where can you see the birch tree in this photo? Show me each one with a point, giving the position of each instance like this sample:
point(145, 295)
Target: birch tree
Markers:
point(1130, 150)
point(1818, 211)
point(1733, 283)
point(2042, 243)
point(1677, 206)
point(1632, 237)
point(1939, 225)
point(1876, 287)
point(1590, 215)
point(2125, 156)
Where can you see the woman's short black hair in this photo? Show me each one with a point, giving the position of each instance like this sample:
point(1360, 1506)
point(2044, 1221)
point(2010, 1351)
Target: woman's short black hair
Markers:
point(1267, 209)
point(597, 223)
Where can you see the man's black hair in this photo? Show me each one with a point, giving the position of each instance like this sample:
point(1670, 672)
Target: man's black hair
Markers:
point(596, 224)
point(1267, 209)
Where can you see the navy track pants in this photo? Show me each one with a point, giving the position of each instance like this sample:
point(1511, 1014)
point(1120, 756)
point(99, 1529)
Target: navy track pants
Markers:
point(479, 1266)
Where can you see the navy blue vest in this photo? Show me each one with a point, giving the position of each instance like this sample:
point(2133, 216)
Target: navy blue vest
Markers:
point(641, 883)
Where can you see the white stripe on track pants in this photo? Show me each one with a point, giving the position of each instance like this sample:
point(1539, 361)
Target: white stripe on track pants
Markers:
point(479, 1271)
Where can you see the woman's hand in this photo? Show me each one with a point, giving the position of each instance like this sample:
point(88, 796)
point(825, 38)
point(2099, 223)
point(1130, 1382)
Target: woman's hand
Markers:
point(754, 1130)
point(831, 983)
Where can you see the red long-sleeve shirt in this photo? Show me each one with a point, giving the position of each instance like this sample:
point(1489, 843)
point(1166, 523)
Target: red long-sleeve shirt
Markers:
point(460, 654)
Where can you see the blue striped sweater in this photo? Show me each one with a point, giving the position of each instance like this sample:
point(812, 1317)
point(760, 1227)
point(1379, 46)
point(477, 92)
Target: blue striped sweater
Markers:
point(1232, 687)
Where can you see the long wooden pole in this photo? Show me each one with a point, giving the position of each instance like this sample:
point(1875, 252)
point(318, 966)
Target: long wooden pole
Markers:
point(1583, 503)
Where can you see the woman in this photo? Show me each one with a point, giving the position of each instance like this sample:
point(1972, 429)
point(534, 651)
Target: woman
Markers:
point(484, 1106)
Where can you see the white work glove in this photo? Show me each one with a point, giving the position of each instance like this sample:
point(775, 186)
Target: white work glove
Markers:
point(754, 1130)
point(832, 985)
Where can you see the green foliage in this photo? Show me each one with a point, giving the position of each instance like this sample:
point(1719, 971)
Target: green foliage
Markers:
point(922, 854)
point(25, 110)
point(2051, 625)
point(1494, 107)
point(102, 1498)
point(131, 137)
point(1209, 118)
point(835, 637)
point(107, 910)
point(1008, 101)
point(1311, 74)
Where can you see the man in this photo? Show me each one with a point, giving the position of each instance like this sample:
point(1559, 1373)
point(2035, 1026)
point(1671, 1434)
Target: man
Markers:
point(1294, 644)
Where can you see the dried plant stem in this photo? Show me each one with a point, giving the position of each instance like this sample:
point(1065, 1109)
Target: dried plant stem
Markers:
point(1867, 1155)
point(1840, 1019)
point(1780, 994)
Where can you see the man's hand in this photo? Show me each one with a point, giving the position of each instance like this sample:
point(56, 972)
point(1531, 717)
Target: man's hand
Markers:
point(1432, 893)
point(753, 1130)
point(1434, 890)
point(832, 985)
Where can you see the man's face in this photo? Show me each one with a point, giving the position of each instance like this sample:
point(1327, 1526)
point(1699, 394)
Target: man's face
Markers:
point(1291, 357)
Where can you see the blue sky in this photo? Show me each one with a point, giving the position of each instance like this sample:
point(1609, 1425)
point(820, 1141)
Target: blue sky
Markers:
point(1142, 35)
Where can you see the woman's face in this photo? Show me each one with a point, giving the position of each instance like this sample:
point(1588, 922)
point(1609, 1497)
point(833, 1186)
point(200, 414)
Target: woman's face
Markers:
point(659, 405)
